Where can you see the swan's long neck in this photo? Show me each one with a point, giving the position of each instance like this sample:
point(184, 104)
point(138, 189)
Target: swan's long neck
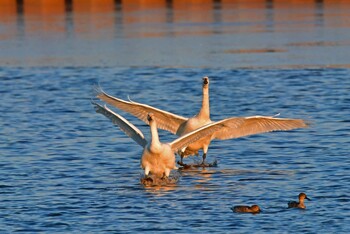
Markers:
point(154, 133)
point(205, 111)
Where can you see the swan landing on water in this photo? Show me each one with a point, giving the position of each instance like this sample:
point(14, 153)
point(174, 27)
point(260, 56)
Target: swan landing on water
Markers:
point(180, 125)
point(157, 158)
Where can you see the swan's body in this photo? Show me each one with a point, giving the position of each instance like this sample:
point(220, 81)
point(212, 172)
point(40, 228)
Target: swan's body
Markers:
point(180, 125)
point(300, 204)
point(246, 209)
point(157, 158)
point(199, 120)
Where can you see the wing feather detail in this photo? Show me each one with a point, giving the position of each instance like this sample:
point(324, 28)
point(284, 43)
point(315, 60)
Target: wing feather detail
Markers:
point(165, 120)
point(195, 135)
point(255, 125)
point(128, 128)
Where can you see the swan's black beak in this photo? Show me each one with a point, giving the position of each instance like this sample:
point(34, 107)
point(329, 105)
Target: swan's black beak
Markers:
point(150, 117)
point(205, 80)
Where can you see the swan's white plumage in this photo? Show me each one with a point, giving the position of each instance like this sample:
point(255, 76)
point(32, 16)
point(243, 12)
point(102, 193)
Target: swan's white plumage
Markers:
point(157, 158)
point(128, 128)
point(165, 120)
point(232, 127)
point(195, 135)
point(254, 125)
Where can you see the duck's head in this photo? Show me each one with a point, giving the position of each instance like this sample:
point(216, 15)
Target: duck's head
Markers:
point(205, 81)
point(255, 208)
point(303, 196)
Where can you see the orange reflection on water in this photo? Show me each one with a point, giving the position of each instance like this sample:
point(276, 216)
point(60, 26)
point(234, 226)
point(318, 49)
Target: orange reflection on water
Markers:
point(243, 12)
point(44, 16)
point(154, 11)
point(8, 10)
point(193, 11)
point(59, 29)
point(93, 17)
point(8, 13)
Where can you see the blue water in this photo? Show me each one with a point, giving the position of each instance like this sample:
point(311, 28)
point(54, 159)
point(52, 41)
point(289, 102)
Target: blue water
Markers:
point(66, 169)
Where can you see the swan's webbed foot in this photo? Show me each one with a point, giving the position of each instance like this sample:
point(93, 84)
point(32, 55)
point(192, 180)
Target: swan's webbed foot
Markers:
point(184, 165)
point(204, 164)
point(181, 163)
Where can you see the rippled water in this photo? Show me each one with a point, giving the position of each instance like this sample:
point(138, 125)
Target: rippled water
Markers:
point(170, 33)
point(65, 168)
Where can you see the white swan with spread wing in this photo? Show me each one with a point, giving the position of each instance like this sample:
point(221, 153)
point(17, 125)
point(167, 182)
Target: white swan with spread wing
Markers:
point(159, 158)
point(180, 126)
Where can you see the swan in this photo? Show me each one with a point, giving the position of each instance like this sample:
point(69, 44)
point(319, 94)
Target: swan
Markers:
point(300, 204)
point(180, 126)
point(158, 158)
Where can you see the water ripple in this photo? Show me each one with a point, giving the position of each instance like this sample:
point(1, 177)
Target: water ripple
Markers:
point(65, 168)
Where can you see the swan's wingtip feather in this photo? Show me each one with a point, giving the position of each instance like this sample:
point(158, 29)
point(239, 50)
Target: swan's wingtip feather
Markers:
point(130, 99)
point(97, 89)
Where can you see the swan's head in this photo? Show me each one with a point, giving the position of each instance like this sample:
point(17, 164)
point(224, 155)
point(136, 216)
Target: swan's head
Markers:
point(303, 196)
point(205, 81)
point(150, 117)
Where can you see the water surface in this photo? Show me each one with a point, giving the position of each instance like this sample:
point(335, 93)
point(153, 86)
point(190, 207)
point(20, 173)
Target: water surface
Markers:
point(221, 34)
point(66, 169)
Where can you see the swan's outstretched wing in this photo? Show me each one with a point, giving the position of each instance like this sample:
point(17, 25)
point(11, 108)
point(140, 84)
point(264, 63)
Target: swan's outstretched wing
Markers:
point(128, 128)
point(195, 135)
point(256, 124)
point(165, 120)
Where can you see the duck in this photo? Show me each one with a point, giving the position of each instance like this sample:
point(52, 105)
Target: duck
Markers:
point(300, 204)
point(180, 125)
point(157, 158)
point(246, 209)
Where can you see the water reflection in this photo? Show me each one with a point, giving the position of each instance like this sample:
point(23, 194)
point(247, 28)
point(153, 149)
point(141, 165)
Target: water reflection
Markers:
point(69, 21)
point(160, 190)
point(87, 17)
point(20, 19)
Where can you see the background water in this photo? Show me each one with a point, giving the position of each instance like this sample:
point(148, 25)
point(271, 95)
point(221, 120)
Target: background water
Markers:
point(65, 168)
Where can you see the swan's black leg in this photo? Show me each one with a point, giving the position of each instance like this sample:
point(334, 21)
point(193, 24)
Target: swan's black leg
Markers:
point(181, 163)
